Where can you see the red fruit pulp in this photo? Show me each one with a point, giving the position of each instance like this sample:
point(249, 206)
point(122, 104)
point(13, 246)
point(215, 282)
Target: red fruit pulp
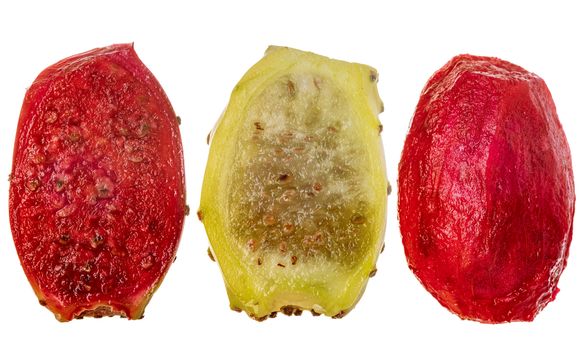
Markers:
point(97, 194)
point(486, 192)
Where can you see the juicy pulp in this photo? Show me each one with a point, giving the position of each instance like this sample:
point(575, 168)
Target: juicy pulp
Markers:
point(294, 195)
point(97, 195)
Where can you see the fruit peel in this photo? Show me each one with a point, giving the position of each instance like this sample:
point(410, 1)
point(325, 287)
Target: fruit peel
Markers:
point(486, 192)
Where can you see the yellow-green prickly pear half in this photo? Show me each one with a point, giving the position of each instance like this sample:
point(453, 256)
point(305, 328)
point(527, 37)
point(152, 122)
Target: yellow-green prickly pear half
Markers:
point(294, 194)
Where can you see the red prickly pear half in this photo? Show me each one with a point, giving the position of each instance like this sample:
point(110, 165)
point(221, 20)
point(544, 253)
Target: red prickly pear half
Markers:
point(486, 192)
point(97, 193)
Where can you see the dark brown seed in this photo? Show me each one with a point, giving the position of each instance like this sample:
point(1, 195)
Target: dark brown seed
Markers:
point(273, 314)
point(236, 309)
point(280, 265)
point(358, 219)
point(287, 310)
point(299, 149)
point(42, 302)
point(283, 247)
point(288, 194)
point(103, 192)
point(315, 239)
point(383, 247)
point(259, 261)
point(287, 135)
point(317, 187)
point(260, 319)
point(288, 227)
point(33, 184)
point(74, 136)
point(208, 138)
point(66, 211)
point(252, 245)
point(179, 120)
point(143, 130)
point(269, 220)
point(199, 215)
point(210, 254)
point(96, 241)
point(64, 239)
point(59, 185)
point(340, 314)
point(135, 158)
point(38, 159)
point(291, 88)
point(86, 268)
point(86, 287)
point(389, 189)
point(104, 187)
point(294, 259)
point(51, 117)
point(187, 210)
point(317, 83)
point(373, 272)
point(314, 313)
point(147, 262)
point(373, 76)
point(153, 226)
point(123, 131)
point(284, 178)
point(319, 238)
point(380, 128)
point(258, 126)
point(85, 278)
point(278, 151)
point(298, 312)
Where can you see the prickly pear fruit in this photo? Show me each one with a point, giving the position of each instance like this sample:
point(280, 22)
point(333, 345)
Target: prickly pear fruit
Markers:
point(97, 196)
point(486, 192)
point(294, 193)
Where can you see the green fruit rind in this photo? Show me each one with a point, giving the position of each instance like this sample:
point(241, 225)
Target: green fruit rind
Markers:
point(321, 116)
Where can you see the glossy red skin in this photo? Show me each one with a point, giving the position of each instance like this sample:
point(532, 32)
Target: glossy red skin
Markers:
point(486, 192)
point(97, 154)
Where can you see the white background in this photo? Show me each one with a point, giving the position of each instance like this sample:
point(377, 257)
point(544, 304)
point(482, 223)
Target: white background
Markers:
point(198, 53)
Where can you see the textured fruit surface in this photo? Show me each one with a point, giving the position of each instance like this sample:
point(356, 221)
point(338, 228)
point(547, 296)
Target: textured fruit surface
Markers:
point(294, 194)
point(97, 197)
point(486, 192)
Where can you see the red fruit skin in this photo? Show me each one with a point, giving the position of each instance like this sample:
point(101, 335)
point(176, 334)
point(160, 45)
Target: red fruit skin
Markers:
point(97, 192)
point(486, 192)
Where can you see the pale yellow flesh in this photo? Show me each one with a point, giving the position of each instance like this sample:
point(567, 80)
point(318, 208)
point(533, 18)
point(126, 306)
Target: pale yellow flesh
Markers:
point(294, 195)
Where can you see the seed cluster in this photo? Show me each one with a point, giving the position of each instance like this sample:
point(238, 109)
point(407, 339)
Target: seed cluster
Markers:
point(297, 193)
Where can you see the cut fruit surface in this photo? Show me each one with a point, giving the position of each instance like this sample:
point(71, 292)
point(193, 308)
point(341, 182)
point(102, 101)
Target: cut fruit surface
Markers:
point(97, 195)
point(294, 195)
